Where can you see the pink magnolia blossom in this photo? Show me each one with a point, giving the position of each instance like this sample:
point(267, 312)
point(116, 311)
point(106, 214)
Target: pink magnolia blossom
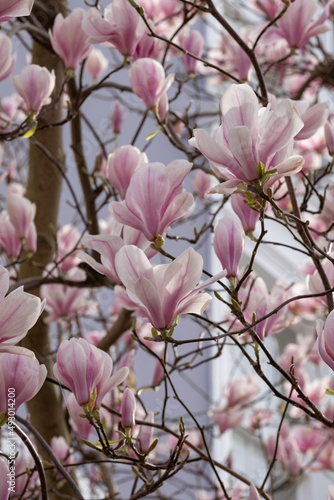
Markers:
point(287, 451)
point(226, 418)
point(155, 199)
point(330, 490)
point(145, 436)
point(228, 243)
point(8, 238)
point(24, 374)
point(163, 292)
point(329, 136)
point(21, 213)
point(251, 140)
point(117, 118)
point(83, 368)
point(296, 25)
point(247, 215)
point(121, 166)
point(326, 340)
point(7, 60)
point(35, 85)
point(121, 28)
point(202, 183)
point(96, 64)
point(62, 450)
point(242, 391)
point(80, 425)
point(193, 43)
point(313, 117)
point(253, 493)
point(69, 40)
point(149, 82)
point(65, 302)
point(19, 311)
point(128, 409)
point(15, 8)
point(67, 241)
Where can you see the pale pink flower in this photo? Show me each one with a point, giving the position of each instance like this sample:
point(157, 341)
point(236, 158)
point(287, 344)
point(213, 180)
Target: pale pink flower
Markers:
point(226, 418)
point(251, 140)
point(228, 243)
point(329, 136)
point(96, 64)
point(65, 302)
point(121, 166)
point(79, 424)
point(121, 28)
point(326, 340)
point(287, 451)
point(128, 409)
point(83, 368)
point(330, 492)
point(15, 8)
point(253, 493)
point(35, 85)
point(247, 215)
point(69, 40)
point(313, 117)
point(148, 81)
point(24, 374)
point(7, 60)
point(19, 311)
point(296, 25)
point(163, 292)
point(67, 241)
point(314, 282)
point(308, 438)
point(21, 213)
point(145, 435)
point(8, 238)
point(62, 450)
point(242, 391)
point(155, 199)
point(202, 183)
point(117, 118)
point(193, 43)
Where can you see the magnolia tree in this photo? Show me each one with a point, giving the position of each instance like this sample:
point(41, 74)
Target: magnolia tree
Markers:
point(111, 310)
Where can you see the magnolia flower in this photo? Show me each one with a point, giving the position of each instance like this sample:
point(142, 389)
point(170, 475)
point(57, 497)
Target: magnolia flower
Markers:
point(228, 244)
point(121, 166)
point(296, 26)
point(19, 311)
point(117, 118)
point(149, 82)
point(22, 373)
point(7, 60)
point(69, 40)
point(128, 409)
point(163, 292)
point(329, 136)
point(96, 64)
point(121, 28)
point(14, 8)
point(326, 340)
point(193, 43)
point(85, 368)
point(155, 198)
point(21, 213)
point(251, 140)
point(35, 85)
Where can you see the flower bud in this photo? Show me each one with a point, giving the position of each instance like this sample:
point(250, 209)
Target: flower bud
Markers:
point(128, 409)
